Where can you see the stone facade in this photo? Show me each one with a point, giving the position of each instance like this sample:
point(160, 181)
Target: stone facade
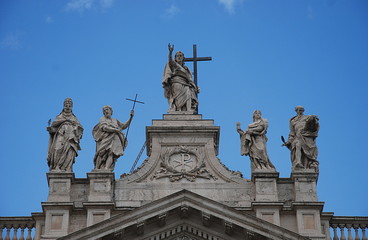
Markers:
point(182, 191)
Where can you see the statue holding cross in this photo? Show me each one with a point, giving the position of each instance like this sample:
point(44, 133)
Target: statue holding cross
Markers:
point(179, 88)
point(110, 140)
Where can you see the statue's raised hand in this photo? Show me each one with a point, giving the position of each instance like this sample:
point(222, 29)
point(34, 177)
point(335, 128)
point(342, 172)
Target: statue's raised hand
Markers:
point(171, 48)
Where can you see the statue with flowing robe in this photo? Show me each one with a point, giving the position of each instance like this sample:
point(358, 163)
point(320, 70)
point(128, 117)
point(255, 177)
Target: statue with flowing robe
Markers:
point(179, 88)
point(302, 140)
point(110, 141)
point(65, 134)
point(253, 142)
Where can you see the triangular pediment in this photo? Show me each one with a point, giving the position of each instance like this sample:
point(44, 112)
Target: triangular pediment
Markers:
point(182, 154)
point(184, 215)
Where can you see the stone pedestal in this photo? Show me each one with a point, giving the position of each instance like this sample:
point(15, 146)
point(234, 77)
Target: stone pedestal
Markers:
point(266, 185)
point(97, 212)
point(308, 216)
point(59, 186)
point(100, 196)
point(305, 185)
point(100, 186)
point(308, 209)
point(268, 211)
point(181, 128)
point(59, 204)
point(56, 220)
point(266, 203)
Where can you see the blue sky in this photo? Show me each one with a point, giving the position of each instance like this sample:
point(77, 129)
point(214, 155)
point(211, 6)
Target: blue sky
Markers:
point(267, 55)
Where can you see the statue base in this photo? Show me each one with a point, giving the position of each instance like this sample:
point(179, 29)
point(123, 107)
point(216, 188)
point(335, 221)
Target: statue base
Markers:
point(100, 185)
point(59, 186)
point(266, 185)
point(305, 185)
point(190, 112)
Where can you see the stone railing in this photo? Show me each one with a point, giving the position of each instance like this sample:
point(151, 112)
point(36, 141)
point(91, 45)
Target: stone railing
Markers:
point(343, 228)
point(14, 228)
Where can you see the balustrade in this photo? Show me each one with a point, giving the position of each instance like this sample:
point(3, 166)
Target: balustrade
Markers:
point(343, 228)
point(17, 228)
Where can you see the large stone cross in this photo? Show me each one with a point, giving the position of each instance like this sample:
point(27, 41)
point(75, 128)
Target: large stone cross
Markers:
point(196, 59)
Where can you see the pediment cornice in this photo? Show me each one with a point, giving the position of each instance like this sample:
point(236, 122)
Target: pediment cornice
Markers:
point(184, 210)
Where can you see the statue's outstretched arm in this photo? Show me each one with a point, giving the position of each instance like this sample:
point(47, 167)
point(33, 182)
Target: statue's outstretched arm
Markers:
point(238, 129)
point(171, 49)
point(127, 123)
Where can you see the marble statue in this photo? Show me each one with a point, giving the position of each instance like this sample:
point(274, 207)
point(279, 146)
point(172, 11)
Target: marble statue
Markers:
point(65, 134)
point(302, 140)
point(110, 141)
point(253, 142)
point(179, 88)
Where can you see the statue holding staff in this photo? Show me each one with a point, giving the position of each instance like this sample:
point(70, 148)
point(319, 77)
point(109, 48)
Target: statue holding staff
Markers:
point(110, 140)
point(179, 88)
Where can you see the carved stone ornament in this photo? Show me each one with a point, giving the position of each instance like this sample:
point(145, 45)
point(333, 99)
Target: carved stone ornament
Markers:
point(182, 162)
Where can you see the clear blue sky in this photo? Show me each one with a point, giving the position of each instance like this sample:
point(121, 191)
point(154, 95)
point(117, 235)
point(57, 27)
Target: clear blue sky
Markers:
point(270, 55)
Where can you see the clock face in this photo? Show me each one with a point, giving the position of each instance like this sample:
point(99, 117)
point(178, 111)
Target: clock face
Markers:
point(183, 162)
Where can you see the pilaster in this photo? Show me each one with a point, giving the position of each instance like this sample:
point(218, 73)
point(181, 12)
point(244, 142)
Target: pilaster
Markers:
point(57, 219)
point(100, 196)
point(308, 216)
point(266, 205)
point(308, 209)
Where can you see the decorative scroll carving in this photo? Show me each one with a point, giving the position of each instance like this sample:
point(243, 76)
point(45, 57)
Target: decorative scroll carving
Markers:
point(182, 162)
